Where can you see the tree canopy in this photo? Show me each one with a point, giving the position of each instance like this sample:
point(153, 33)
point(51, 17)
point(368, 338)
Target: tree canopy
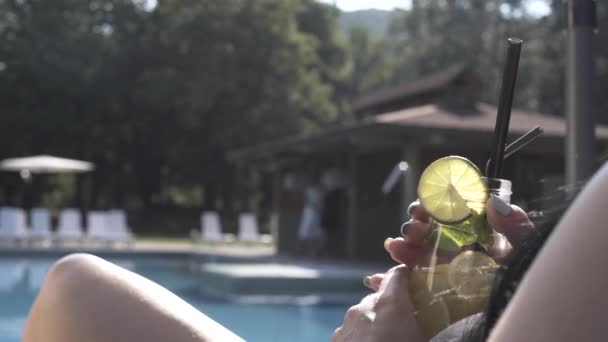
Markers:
point(157, 96)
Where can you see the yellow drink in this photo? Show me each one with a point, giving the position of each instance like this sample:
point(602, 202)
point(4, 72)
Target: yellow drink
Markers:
point(456, 281)
point(438, 302)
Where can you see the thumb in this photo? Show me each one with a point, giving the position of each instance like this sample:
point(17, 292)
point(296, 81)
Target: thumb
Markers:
point(394, 289)
point(509, 220)
point(395, 319)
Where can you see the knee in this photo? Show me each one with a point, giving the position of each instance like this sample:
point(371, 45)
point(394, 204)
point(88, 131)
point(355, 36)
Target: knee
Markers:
point(57, 300)
point(70, 277)
point(72, 268)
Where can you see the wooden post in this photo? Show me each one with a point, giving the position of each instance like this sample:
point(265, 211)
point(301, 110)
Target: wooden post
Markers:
point(410, 179)
point(275, 226)
point(351, 238)
point(580, 89)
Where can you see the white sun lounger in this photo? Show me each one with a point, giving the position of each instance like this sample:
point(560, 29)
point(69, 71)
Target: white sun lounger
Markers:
point(12, 224)
point(108, 226)
point(211, 227)
point(97, 226)
point(248, 228)
point(70, 227)
point(118, 230)
point(40, 225)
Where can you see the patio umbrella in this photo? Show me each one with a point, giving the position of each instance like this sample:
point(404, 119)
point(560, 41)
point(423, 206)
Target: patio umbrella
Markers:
point(45, 164)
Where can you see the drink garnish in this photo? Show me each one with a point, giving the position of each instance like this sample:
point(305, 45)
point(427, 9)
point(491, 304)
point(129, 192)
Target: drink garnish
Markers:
point(450, 187)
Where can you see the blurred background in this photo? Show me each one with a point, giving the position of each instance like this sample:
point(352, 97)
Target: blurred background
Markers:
point(183, 105)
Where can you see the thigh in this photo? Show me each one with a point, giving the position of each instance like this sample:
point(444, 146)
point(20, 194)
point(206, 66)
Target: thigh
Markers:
point(85, 298)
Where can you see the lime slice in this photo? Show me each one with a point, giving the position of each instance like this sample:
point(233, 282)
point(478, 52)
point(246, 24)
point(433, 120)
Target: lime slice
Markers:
point(450, 187)
point(472, 273)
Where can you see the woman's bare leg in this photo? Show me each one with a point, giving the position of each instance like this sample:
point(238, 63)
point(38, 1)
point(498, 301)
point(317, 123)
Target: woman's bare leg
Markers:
point(85, 298)
point(563, 295)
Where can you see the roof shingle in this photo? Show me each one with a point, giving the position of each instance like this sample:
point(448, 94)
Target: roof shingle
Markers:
point(435, 116)
point(410, 89)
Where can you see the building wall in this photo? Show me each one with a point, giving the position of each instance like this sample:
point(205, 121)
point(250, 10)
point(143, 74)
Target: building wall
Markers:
point(289, 220)
point(536, 179)
point(377, 216)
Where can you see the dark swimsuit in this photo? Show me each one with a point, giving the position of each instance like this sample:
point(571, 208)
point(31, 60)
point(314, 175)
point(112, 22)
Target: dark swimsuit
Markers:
point(456, 331)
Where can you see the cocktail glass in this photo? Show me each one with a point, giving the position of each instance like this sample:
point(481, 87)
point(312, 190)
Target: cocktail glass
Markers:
point(455, 279)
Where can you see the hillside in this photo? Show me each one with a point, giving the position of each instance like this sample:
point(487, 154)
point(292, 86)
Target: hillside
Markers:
point(376, 21)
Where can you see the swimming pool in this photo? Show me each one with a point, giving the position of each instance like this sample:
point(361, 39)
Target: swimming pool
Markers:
point(21, 278)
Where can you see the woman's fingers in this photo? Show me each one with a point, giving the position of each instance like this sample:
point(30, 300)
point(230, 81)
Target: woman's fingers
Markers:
point(417, 212)
point(404, 251)
point(357, 321)
point(416, 231)
point(373, 282)
point(394, 291)
point(509, 220)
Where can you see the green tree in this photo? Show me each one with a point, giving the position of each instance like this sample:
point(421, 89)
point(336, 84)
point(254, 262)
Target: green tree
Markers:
point(369, 64)
point(269, 76)
point(435, 34)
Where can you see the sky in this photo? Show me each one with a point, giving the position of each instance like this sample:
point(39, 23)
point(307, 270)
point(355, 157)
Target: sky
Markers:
point(536, 7)
point(353, 5)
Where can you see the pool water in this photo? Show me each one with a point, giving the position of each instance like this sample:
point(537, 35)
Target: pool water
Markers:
point(21, 279)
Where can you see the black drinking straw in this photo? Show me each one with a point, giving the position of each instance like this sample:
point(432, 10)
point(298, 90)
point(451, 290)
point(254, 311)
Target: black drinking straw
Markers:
point(519, 143)
point(522, 141)
point(505, 102)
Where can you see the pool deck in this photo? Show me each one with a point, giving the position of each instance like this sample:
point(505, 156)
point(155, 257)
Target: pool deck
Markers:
point(147, 247)
point(237, 250)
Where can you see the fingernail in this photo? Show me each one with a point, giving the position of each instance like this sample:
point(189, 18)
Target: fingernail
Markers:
point(367, 281)
point(411, 208)
point(387, 242)
point(501, 206)
point(404, 228)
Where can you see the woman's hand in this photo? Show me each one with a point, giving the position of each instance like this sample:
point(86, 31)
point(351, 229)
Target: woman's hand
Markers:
point(388, 314)
point(385, 316)
point(508, 220)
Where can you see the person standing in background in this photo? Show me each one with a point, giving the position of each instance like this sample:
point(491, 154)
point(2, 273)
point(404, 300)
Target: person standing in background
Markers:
point(310, 235)
point(333, 212)
point(333, 217)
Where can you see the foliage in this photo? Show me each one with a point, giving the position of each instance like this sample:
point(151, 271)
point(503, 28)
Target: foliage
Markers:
point(157, 96)
point(434, 34)
point(374, 21)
